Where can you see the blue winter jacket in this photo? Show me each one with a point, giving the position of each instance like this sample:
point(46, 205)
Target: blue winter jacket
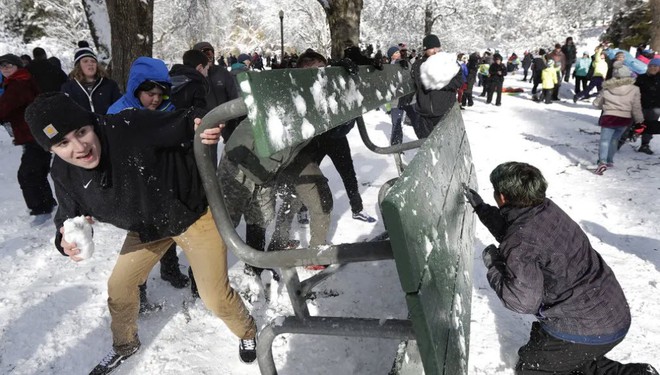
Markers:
point(143, 69)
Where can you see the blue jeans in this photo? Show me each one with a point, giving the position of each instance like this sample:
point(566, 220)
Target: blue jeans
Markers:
point(609, 140)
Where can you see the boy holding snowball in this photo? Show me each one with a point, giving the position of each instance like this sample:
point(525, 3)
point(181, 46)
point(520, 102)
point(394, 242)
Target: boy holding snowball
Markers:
point(131, 170)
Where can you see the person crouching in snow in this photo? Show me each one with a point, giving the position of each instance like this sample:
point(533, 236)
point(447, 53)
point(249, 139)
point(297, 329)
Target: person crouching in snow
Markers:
point(621, 103)
point(545, 266)
point(118, 169)
point(436, 77)
point(548, 81)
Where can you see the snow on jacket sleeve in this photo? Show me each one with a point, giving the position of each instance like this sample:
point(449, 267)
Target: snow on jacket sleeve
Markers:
point(516, 278)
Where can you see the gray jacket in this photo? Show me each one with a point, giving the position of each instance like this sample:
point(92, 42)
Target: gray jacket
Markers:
point(546, 266)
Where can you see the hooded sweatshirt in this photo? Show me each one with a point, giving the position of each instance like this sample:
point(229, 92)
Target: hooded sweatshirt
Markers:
point(143, 69)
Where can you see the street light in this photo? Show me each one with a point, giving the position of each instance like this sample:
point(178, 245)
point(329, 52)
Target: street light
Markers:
point(281, 36)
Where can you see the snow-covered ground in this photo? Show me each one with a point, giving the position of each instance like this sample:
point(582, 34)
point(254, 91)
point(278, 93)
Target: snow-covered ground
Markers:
point(54, 319)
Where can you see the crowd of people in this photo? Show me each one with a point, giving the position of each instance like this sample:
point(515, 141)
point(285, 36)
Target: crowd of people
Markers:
point(143, 177)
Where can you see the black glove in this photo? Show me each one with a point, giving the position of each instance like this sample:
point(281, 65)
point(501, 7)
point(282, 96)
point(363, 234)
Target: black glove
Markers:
point(378, 64)
point(404, 63)
point(347, 64)
point(472, 196)
point(488, 254)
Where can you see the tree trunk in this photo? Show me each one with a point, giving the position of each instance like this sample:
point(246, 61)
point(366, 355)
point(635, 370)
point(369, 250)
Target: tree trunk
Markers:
point(132, 35)
point(655, 25)
point(428, 19)
point(344, 20)
point(98, 21)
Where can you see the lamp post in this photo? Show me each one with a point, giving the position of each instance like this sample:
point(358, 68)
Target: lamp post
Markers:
point(281, 36)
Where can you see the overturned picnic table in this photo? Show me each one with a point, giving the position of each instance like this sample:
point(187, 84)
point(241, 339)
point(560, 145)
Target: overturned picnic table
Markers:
point(430, 227)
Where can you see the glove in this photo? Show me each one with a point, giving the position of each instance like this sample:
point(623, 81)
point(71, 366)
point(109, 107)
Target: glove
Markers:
point(347, 64)
point(404, 63)
point(488, 254)
point(378, 64)
point(472, 196)
point(639, 128)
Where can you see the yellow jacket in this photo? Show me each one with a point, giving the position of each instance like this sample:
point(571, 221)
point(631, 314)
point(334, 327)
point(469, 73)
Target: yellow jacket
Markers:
point(549, 78)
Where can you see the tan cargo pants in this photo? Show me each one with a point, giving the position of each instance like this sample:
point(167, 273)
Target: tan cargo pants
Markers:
point(207, 254)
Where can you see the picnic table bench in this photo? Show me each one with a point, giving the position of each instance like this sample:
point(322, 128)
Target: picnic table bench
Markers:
point(430, 227)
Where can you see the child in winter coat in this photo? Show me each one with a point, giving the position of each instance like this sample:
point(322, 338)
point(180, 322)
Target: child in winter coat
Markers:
point(90, 85)
point(621, 103)
point(548, 81)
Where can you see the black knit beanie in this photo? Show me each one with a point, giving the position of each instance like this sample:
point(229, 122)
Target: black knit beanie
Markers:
point(431, 41)
point(83, 50)
point(53, 115)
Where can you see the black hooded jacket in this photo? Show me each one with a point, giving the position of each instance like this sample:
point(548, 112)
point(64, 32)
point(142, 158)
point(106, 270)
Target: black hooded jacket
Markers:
point(546, 266)
point(434, 103)
point(146, 182)
point(189, 87)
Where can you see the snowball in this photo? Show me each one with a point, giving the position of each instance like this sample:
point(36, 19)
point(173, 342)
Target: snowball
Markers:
point(79, 231)
point(438, 70)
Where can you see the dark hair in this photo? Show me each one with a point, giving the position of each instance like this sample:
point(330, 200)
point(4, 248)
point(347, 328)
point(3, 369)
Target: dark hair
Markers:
point(39, 53)
point(541, 51)
point(308, 57)
point(26, 58)
point(195, 57)
point(150, 85)
point(521, 184)
point(557, 45)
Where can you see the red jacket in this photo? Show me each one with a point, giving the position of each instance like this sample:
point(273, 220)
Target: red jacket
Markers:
point(20, 91)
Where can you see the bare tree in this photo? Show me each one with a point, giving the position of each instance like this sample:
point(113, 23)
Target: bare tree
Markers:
point(344, 21)
point(132, 34)
point(435, 11)
point(655, 25)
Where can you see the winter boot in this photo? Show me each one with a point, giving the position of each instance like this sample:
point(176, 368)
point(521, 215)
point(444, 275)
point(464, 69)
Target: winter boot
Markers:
point(645, 149)
point(169, 269)
point(193, 284)
point(145, 306)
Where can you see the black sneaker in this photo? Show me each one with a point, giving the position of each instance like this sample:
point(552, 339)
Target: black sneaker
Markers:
point(247, 350)
point(111, 361)
point(363, 217)
point(645, 149)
